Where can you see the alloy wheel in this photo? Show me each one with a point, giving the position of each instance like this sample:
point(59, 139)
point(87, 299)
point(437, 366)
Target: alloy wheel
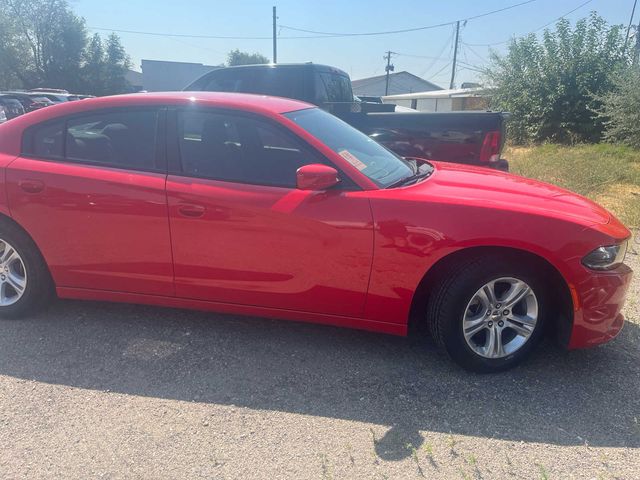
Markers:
point(500, 317)
point(13, 275)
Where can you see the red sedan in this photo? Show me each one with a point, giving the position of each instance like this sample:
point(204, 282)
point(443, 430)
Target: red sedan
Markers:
point(266, 206)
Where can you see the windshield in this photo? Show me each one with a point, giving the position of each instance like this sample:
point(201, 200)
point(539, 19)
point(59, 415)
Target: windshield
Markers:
point(376, 162)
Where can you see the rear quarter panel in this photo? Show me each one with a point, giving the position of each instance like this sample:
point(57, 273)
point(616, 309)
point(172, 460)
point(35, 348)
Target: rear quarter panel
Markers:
point(7, 144)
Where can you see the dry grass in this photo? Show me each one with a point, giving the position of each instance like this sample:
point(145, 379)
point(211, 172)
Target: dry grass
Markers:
point(608, 174)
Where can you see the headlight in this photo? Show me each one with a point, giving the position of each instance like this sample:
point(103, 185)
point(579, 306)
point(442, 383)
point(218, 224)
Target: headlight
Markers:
point(606, 258)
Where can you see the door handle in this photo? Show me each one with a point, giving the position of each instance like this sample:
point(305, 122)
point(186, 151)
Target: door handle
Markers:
point(192, 211)
point(31, 186)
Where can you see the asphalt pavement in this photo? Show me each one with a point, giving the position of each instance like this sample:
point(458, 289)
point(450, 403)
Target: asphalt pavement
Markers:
point(97, 390)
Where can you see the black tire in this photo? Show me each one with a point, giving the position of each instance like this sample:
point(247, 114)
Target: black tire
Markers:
point(38, 290)
point(450, 296)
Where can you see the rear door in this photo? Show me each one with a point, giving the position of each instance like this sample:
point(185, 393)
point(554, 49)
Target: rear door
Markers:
point(90, 189)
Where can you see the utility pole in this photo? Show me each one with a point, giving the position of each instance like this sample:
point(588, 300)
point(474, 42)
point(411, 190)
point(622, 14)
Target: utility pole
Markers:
point(275, 45)
point(389, 68)
point(626, 38)
point(455, 56)
point(636, 54)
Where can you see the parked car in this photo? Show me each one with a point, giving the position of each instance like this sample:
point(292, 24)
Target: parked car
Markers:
point(29, 102)
point(473, 138)
point(56, 95)
point(269, 206)
point(12, 107)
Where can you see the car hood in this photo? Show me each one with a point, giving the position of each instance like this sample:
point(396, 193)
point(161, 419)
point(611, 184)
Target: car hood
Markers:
point(483, 186)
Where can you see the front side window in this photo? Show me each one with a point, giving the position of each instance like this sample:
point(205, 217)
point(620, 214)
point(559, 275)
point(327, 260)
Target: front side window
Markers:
point(239, 149)
point(382, 166)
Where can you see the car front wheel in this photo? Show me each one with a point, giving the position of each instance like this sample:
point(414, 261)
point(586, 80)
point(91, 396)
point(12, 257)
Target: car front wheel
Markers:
point(488, 313)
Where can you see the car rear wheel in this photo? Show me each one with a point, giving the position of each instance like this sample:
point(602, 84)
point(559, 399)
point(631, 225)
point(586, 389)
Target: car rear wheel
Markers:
point(25, 283)
point(488, 313)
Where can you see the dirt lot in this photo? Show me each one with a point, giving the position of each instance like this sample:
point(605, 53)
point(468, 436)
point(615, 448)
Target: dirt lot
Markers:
point(115, 391)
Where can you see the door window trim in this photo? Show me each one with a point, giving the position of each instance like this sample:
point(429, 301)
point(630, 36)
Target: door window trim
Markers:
point(174, 159)
point(160, 151)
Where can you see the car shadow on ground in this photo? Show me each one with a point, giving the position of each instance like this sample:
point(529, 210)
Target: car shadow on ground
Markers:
point(564, 398)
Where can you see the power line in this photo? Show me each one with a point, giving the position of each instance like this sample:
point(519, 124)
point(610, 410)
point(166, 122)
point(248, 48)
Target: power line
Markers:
point(437, 59)
point(533, 31)
point(440, 71)
point(179, 35)
point(404, 30)
point(467, 47)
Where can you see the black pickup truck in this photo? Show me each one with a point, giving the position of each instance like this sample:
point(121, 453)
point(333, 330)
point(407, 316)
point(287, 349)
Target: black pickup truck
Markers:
point(474, 138)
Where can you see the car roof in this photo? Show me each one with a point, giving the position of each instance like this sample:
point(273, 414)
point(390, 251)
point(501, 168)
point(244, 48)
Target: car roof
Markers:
point(261, 104)
point(240, 101)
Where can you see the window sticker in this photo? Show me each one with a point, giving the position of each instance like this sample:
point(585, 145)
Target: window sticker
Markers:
point(352, 159)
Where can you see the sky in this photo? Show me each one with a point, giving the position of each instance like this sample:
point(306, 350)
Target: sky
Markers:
point(427, 53)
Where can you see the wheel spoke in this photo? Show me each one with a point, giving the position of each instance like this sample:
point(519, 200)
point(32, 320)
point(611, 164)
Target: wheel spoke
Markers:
point(472, 327)
point(493, 346)
point(521, 330)
point(4, 297)
point(18, 283)
point(516, 293)
point(523, 319)
point(489, 293)
point(9, 255)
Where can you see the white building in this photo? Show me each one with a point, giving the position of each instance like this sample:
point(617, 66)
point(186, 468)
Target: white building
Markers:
point(161, 76)
point(443, 100)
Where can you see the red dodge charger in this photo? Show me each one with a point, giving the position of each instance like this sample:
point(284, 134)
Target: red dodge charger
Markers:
point(267, 206)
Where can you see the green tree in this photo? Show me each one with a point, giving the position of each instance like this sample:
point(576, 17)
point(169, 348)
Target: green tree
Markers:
point(553, 86)
point(94, 68)
point(236, 57)
point(620, 109)
point(44, 42)
point(117, 62)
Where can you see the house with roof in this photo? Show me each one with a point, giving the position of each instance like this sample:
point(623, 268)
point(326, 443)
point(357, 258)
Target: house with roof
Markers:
point(399, 83)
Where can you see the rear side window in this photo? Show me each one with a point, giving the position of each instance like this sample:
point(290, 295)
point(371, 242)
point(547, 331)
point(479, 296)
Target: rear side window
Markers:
point(123, 139)
point(47, 141)
point(331, 87)
point(230, 81)
point(126, 139)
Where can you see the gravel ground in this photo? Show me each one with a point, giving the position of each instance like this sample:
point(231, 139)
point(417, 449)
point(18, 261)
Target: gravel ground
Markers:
point(120, 391)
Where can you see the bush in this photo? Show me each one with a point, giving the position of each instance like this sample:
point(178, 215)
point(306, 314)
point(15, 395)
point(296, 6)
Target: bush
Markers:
point(620, 110)
point(553, 86)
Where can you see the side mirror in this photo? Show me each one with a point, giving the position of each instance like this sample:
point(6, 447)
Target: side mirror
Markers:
point(316, 177)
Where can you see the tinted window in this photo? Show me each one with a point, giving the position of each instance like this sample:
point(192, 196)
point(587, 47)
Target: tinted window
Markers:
point(332, 87)
point(126, 139)
point(47, 141)
point(239, 149)
point(279, 82)
point(372, 159)
point(229, 81)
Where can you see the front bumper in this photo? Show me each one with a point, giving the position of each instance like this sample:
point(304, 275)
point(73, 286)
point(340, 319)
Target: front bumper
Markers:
point(598, 300)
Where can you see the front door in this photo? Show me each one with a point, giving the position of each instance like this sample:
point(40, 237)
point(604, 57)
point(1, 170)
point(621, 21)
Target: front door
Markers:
point(243, 234)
